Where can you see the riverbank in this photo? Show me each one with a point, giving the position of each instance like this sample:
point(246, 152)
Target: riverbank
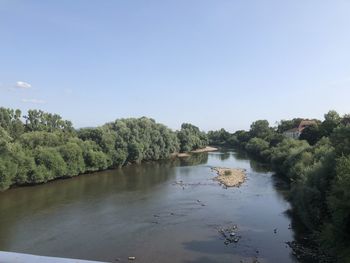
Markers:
point(202, 150)
point(175, 202)
point(206, 149)
point(230, 177)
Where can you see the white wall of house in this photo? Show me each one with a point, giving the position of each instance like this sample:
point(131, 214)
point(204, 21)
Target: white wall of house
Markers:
point(292, 134)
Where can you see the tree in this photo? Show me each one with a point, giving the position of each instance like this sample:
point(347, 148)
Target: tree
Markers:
point(286, 149)
point(25, 164)
point(4, 139)
point(191, 138)
point(345, 120)
point(219, 137)
point(95, 160)
point(286, 125)
point(332, 120)
point(135, 152)
point(47, 147)
point(311, 134)
point(339, 202)
point(340, 139)
point(105, 138)
point(260, 129)
point(257, 146)
point(32, 140)
point(37, 120)
point(51, 159)
point(72, 154)
point(7, 172)
point(10, 120)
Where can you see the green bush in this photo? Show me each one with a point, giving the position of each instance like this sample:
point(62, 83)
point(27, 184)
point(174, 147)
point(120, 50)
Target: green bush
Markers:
point(227, 172)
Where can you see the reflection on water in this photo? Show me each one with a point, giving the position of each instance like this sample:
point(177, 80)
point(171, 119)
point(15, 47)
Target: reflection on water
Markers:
point(194, 159)
point(141, 210)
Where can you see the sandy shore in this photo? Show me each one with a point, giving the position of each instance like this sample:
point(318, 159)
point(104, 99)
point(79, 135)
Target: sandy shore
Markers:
point(187, 154)
point(206, 149)
point(183, 155)
point(230, 177)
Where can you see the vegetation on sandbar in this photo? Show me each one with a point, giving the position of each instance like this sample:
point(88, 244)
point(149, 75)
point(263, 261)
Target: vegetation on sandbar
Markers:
point(230, 177)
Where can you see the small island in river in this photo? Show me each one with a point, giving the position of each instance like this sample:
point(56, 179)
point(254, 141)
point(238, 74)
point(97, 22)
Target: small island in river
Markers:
point(230, 177)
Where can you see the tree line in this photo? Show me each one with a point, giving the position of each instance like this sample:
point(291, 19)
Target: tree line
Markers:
point(40, 147)
point(317, 165)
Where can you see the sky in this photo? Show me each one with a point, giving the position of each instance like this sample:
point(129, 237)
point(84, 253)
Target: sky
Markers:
point(215, 64)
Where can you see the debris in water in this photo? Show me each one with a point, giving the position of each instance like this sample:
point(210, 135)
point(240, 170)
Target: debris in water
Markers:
point(229, 235)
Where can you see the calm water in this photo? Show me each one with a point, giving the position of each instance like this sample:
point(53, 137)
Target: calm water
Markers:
point(140, 211)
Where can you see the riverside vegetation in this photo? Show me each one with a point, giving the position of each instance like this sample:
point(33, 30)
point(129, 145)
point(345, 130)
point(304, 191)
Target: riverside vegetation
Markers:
point(40, 147)
point(317, 167)
point(45, 147)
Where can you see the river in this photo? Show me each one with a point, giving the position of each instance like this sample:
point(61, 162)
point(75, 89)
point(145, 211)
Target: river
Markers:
point(168, 211)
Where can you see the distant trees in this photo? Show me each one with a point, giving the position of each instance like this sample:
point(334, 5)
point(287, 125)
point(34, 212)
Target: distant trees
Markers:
point(44, 147)
point(191, 138)
point(10, 121)
point(142, 139)
point(260, 129)
point(318, 168)
point(37, 120)
point(285, 125)
point(50, 160)
point(339, 206)
point(312, 134)
point(72, 155)
point(341, 139)
point(220, 137)
point(241, 138)
point(7, 166)
point(331, 121)
point(257, 146)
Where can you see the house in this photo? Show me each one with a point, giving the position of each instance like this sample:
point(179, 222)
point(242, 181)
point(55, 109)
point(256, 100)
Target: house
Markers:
point(296, 132)
point(305, 123)
point(292, 133)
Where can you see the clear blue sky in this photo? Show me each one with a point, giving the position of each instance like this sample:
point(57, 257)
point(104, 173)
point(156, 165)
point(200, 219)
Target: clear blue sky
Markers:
point(214, 63)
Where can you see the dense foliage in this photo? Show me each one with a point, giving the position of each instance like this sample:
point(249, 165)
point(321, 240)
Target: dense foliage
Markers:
point(191, 138)
point(318, 168)
point(40, 146)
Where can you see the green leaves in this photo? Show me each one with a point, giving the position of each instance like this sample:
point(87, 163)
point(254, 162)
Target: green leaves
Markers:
point(191, 138)
point(260, 129)
point(72, 154)
point(339, 200)
point(37, 120)
point(341, 140)
point(257, 146)
point(52, 160)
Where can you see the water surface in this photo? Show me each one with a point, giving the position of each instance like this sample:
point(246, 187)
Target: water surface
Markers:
point(147, 212)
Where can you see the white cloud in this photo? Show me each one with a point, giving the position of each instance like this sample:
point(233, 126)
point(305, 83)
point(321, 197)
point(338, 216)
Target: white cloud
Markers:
point(23, 85)
point(34, 101)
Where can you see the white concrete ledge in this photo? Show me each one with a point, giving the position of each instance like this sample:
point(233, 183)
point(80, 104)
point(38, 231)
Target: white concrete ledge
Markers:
point(11, 257)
